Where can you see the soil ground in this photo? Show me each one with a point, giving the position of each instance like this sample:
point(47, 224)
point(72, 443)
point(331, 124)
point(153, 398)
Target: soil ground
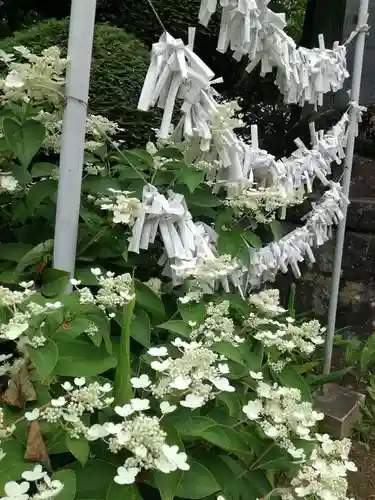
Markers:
point(362, 482)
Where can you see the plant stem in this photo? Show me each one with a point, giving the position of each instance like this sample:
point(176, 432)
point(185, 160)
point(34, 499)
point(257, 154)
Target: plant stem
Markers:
point(123, 389)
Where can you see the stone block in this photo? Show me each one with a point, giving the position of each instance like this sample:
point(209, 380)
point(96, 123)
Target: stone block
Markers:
point(341, 408)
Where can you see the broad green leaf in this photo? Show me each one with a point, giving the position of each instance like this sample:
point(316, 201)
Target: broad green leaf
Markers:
point(14, 251)
point(237, 302)
point(148, 299)
point(192, 312)
point(39, 192)
point(192, 178)
point(252, 238)
point(229, 351)
point(42, 169)
point(13, 464)
point(140, 329)
point(273, 458)
point(71, 329)
point(277, 229)
point(230, 242)
point(229, 482)
point(190, 426)
point(167, 484)
point(35, 255)
point(125, 491)
point(232, 402)
point(320, 380)
point(170, 153)
point(21, 173)
point(44, 358)
point(290, 378)
point(202, 197)
point(226, 438)
point(99, 185)
point(24, 139)
point(54, 281)
point(197, 482)
point(94, 479)
point(68, 479)
point(177, 326)
point(82, 359)
point(79, 448)
point(139, 158)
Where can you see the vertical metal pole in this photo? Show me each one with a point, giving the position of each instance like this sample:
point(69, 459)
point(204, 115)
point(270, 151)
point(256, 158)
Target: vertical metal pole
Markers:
point(81, 33)
point(354, 96)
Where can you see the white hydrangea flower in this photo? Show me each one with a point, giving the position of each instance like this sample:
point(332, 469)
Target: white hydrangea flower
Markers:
point(126, 475)
point(165, 407)
point(283, 416)
point(158, 351)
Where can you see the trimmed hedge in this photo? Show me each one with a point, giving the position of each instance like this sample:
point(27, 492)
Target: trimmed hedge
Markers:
point(119, 65)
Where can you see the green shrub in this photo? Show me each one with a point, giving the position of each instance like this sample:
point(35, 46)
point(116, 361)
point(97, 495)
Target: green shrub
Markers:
point(119, 65)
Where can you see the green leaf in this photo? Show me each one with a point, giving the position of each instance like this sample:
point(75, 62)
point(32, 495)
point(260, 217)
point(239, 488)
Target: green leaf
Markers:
point(226, 438)
point(54, 281)
point(139, 158)
point(238, 303)
point(79, 448)
point(197, 482)
point(35, 255)
point(167, 484)
point(177, 326)
point(126, 491)
point(82, 359)
point(140, 329)
point(44, 358)
point(148, 299)
point(192, 178)
point(229, 351)
point(276, 229)
point(123, 390)
point(232, 402)
point(170, 153)
point(42, 169)
point(21, 173)
point(71, 329)
point(68, 478)
point(230, 483)
point(192, 312)
point(202, 197)
point(320, 380)
point(24, 139)
point(13, 464)
point(14, 251)
point(289, 377)
point(252, 238)
point(39, 192)
point(190, 426)
point(94, 479)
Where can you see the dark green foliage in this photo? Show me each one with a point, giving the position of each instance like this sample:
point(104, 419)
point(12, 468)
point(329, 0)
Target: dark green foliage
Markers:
point(119, 65)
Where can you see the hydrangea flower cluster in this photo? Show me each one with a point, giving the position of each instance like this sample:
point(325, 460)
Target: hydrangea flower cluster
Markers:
point(261, 204)
point(204, 270)
point(287, 337)
point(217, 326)
point(283, 416)
point(125, 209)
point(115, 291)
point(323, 476)
point(8, 182)
point(193, 378)
point(39, 80)
point(22, 311)
point(267, 302)
point(143, 436)
point(34, 480)
point(68, 410)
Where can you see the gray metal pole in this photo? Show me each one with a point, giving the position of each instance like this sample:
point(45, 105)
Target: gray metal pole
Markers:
point(340, 237)
point(81, 32)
